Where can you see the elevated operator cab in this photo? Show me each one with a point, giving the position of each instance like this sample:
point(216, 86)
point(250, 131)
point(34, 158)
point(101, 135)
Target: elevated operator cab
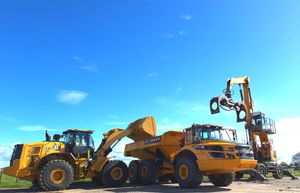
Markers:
point(79, 142)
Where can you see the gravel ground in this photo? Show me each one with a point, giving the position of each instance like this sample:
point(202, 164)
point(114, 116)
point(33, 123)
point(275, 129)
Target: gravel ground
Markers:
point(271, 186)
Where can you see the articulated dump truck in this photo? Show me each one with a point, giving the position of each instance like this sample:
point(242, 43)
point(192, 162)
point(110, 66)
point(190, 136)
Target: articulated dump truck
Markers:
point(185, 157)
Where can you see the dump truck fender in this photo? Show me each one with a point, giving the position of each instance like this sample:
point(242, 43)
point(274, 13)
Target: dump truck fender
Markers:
point(185, 153)
point(62, 156)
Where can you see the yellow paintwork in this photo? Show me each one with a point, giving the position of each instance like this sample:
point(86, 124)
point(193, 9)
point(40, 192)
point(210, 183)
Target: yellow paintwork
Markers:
point(116, 173)
point(57, 176)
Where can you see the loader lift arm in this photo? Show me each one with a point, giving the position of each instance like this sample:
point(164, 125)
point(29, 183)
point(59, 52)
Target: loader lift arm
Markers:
point(137, 130)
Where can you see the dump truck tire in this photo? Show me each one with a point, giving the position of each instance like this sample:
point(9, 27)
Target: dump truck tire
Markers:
point(221, 179)
point(238, 176)
point(134, 172)
point(97, 180)
point(278, 174)
point(173, 178)
point(262, 169)
point(163, 178)
point(56, 175)
point(114, 173)
point(148, 172)
point(187, 173)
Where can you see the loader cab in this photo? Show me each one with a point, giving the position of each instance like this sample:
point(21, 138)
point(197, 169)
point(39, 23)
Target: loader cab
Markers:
point(262, 124)
point(79, 142)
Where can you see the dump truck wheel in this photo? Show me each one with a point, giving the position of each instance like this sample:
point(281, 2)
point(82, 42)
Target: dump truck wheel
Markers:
point(147, 172)
point(221, 179)
point(134, 172)
point(163, 178)
point(187, 173)
point(115, 173)
point(98, 179)
point(56, 175)
point(238, 176)
point(262, 169)
point(278, 174)
point(173, 178)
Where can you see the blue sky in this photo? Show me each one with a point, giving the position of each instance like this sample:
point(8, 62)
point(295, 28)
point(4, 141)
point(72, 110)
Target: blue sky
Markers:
point(102, 64)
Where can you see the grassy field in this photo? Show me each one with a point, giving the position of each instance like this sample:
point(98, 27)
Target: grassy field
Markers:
point(11, 182)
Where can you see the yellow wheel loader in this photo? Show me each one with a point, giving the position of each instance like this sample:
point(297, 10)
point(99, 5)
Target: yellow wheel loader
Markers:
point(55, 163)
point(185, 157)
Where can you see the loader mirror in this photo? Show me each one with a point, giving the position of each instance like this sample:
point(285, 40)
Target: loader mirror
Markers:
point(214, 105)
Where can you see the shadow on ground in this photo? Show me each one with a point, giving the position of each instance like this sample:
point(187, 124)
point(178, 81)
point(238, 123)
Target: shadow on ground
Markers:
point(84, 186)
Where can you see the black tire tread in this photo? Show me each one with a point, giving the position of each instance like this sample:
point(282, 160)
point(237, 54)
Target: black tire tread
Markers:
point(135, 165)
point(195, 175)
point(151, 172)
point(106, 178)
point(43, 184)
point(221, 179)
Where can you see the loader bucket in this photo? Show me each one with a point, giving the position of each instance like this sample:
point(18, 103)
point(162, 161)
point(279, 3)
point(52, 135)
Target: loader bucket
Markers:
point(142, 128)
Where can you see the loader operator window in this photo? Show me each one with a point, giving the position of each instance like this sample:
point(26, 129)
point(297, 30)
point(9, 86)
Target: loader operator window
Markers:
point(80, 144)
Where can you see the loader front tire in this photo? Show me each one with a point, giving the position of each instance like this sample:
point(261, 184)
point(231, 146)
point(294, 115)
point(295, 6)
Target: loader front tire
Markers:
point(187, 173)
point(56, 175)
point(114, 173)
point(134, 172)
point(221, 179)
point(97, 179)
point(148, 172)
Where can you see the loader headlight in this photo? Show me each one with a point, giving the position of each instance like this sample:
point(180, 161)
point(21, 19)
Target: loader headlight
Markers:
point(36, 150)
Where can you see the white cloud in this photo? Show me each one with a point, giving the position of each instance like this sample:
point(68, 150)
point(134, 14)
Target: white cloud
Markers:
point(35, 128)
point(91, 68)
point(186, 17)
point(182, 33)
point(151, 75)
point(77, 58)
point(5, 154)
point(167, 35)
point(118, 150)
point(71, 96)
point(286, 140)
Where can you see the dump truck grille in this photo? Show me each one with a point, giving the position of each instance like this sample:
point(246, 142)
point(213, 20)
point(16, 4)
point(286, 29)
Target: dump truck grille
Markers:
point(16, 153)
point(245, 151)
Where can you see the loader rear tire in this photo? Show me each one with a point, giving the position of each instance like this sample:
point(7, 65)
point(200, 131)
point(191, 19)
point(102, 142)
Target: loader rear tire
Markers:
point(187, 173)
point(134, 172)
point(221, 179)
point(148, 172)
point(114, 173)
point(278, 174)
point(262, 169)
point(56, 175)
